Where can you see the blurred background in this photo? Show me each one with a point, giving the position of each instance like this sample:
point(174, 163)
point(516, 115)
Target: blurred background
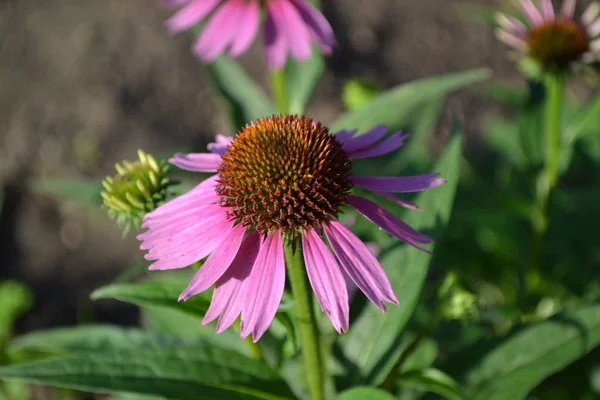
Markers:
point(85, 83)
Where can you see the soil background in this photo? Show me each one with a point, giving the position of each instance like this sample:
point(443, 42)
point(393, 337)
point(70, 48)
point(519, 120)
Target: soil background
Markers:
point(84, 83)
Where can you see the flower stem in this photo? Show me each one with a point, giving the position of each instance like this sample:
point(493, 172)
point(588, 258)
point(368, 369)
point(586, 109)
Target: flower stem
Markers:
point(555, 88)
point(279, 90)
point(309, 331)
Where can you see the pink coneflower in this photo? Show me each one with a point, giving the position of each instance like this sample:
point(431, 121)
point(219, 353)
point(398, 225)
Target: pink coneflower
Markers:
point(555, 41)
point(280, 179)
point(290, 27)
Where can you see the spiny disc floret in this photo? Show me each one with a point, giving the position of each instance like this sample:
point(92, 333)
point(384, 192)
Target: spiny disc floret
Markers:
point(558, 43)
point(284, 172)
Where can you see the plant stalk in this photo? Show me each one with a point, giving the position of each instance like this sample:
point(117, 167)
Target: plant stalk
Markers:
point(309, 330)
point(279, 91)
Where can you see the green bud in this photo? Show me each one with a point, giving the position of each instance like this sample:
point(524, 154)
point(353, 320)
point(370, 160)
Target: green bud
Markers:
point(138, 188)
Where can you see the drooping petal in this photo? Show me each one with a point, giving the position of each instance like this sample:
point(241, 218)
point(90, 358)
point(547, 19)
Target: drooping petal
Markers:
point(568, 8)
point(275, 44)
point(220, 145)
point(394, 142)
point(189, 15)
point(193, 247)
point(198, 162)
point(248, 27)
point(228, 299)
point(173, 3)
point(510, 39)
point(320, 30)
point(366, 139)
point(216, 264)
point(290, 25)
point(510, 24)
point(401, 184)
point(532, 13)
point(547, 10)
point(220, 31)
point(264, 288)
point(388, 222)
point(400, 202)
point(202, 194)
point(326, 280)
point(590, 14)
point(359, 264)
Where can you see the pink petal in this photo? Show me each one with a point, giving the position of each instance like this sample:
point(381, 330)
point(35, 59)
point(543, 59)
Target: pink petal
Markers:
point(568, 8)
point(275, 44)
point(202, 194)
point(227, 297)
point(547, 10)
point(191, 248)
point(344, 137)
point(220, 31)
point(510, 24)
point(319, 28)
point(248, 27)
point(400, 202)
point(395, 141)
point(291, 26)
point(179, 222)
point(198, 162)
point(264, 288)
point(402, 184)
point(366, 139)
point(511, 40)
point(220, 145)
point(189, 15)
point(532, 12)
point(360, 264)
point(216, 264)
point(326, 280)
point(388, 222)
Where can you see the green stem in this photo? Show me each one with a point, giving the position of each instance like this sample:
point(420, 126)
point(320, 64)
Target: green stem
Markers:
point(309, 331)
point(279, 90)
point(555, 90)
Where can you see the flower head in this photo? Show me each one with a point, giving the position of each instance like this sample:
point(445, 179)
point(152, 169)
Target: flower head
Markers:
point(555, 41)
point(232, 25)
point(283, 178)
point(138, 188)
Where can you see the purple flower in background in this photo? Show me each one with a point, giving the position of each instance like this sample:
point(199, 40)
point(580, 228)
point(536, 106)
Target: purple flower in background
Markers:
point(280, 179)
point(232, 25)
point(554, 40)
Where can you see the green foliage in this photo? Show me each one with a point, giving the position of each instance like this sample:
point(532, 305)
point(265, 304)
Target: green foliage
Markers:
point(245, 99)
point(364, 394)
point(392, 106)
point(174, 372)
point(301, 81)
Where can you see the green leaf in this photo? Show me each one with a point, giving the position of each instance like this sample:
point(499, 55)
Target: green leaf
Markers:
point(432, 380)
point(365, 393)
point(301, 81)
point(90, 338)
point(79, 191)
point(516, 366)
point(16, 299)
point(357, 93)
point(585, 122)
point(155, 294)
point(393, 106)
point(246, 100)
point(183, 373)
point(372, 343)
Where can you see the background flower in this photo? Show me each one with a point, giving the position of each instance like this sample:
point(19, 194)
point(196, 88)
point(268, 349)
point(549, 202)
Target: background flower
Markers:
point(231, 26)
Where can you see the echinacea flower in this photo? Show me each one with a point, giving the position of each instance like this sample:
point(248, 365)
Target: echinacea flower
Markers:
point(290, 27)
point(553, 40)
point(279, 179)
